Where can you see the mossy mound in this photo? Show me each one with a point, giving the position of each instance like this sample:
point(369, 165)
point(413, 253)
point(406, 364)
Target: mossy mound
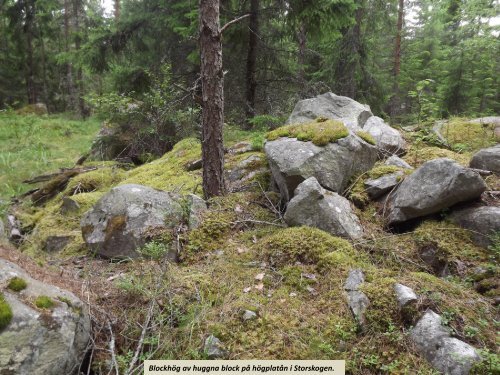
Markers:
point(99, 180)
point(367, 137)
point(416, 155)
point(320, 132)
point(463, 135)
point(168, 172)
point(308, 246)
point(5, 312)
point(44, 302)
point(16, 284)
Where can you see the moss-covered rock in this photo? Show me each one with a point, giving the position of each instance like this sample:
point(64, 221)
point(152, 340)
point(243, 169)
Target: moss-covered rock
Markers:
point(44, 302)
point(464, 135)
point(306, 245)
point(367, 137)
point(320, 132)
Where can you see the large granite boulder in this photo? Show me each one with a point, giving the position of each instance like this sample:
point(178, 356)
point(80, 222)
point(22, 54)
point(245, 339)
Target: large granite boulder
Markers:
point(292, 161)
point(335, 107)
point(122, 219)
point(483, 222)
point(445, 353)
point(389, 141)
point(41, 341)
point(488, 159)
point(436, 185)
point(316, 207)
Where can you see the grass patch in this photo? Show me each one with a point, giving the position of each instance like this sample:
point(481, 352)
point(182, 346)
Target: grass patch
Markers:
point(31, 145)
point(44, 302)
point(320, 132)
point(367, 137)
point(467, 136)
point(5, 312)
point(416, 155)
point(17, 284)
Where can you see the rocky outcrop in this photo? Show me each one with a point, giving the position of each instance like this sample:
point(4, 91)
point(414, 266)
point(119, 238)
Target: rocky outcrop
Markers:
point(196, 206)
point(335, 107)
point(316, 207)
point(487, 159)
point(121, 220)
point(357, 300)
point(377, 187)
point(389, 140)
point(41, 341)
point(445, 353)
point(397, 162)
point(483, 222)
point(292, 161)
point(436, 185)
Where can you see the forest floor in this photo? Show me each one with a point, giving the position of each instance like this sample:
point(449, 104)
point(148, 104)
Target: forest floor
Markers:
point(230, 265)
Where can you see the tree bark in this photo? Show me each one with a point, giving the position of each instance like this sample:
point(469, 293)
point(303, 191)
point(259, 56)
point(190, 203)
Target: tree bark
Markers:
point(117, 9)
point(301, 57)
point(70, 86)
point(212, 88)
point(30, 68)
point(79, 72)
point(395, 103)
point(251, 82)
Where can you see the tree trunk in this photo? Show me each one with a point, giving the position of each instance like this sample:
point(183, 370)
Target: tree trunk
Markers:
point(212, 99)
point(251, 82)
point(117, 9)
point(301, 57)
point(79, 73)
point(395, 103)
point(70, 86)
point(30, 68)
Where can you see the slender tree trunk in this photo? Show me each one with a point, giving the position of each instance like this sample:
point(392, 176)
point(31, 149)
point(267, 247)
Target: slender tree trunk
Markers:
point(212, 99)
point(30, 68)
point(79, 72)
point(251, 82)
point(301, 57)
point(395, 103)
point(70, 86)
point(44, 71)
point(117, 9)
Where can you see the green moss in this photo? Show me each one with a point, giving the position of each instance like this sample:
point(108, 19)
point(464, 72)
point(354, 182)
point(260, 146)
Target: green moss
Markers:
point(319, 132)
point(467, 136)
point(44, 302)
point(383, 310)
point(17, 284)
point(416, 156)
point(168, 172)
point(101, 179)
point(5, 312)
point(306, 245)
point(367, 137)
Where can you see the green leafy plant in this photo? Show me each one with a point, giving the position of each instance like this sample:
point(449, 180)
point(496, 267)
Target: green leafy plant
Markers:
point(154, 250)
point(44, 302)
point(5, 312)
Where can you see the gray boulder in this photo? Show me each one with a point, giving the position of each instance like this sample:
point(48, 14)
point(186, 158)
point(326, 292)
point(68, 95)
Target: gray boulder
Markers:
point(335, 107)
point(488, 159)
point(119, 222)
point(377, 187)
point(445, 353)
point(483, 222)
point(42, 341)
point(436, 185)
point(357, 300)
point(398, 162)
point(316, 207)
point(389, 140)
point(292, 161)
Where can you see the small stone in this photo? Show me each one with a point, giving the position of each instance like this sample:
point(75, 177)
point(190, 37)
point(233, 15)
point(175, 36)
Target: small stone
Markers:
point(260, 276)
point(214, 348)
point(354, 279)
point(404, 295)
point(69, 205)
point(249, 315)
point(247, 289)
point(293, 294)
point(398, 162)
point(54, 244)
